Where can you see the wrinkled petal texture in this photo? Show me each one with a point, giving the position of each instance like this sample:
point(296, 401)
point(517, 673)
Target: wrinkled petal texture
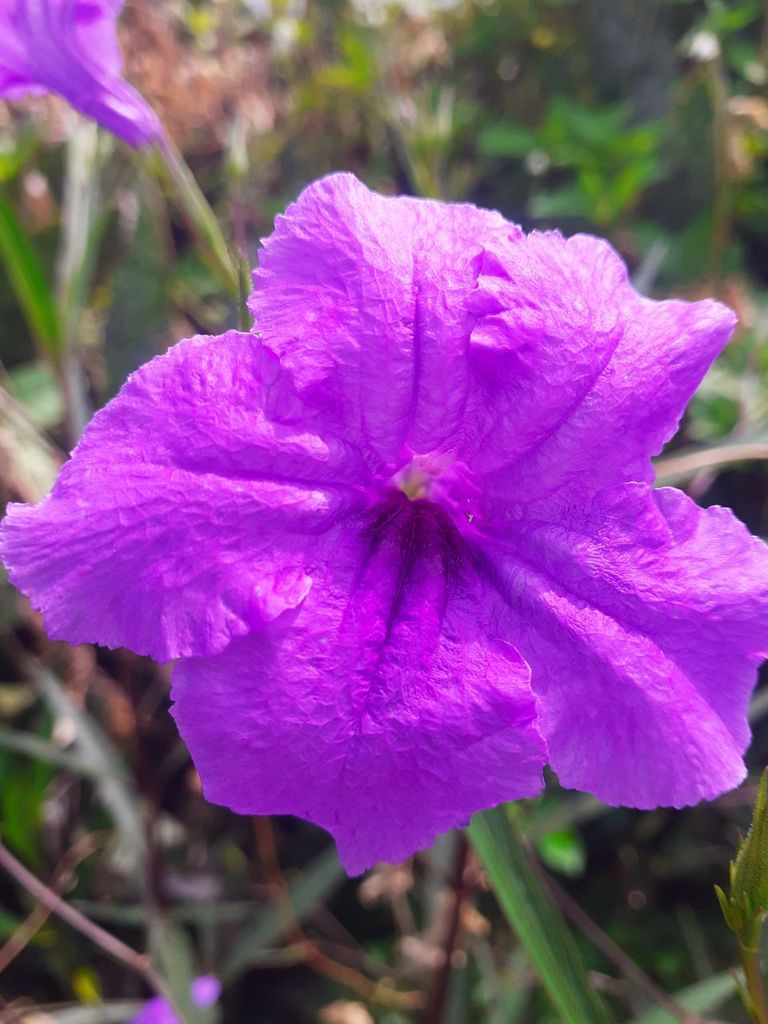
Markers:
point(364, 299)
point(403, 537)
point(387, 708)
point(70, 47)
point(643, 618)
point(186, 515)
point(579, 380)
point(422, 327)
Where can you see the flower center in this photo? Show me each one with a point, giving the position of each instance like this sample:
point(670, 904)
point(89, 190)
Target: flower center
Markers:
point(419, 478)
point(443, 480)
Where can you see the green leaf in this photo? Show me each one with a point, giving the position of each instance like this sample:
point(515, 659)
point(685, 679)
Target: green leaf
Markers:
point(116, 1012)
point(506, 139)
point(33, 293)
point(38, 749)
point(36, 387)
point(749, 874)
point(14, 152)
point(534, 917)
point(703, 997)
point(563, 850)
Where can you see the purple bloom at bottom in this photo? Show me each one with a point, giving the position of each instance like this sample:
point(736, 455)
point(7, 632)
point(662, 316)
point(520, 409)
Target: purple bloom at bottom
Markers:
point(70, 47)
point(205, 991)
point(404, 540)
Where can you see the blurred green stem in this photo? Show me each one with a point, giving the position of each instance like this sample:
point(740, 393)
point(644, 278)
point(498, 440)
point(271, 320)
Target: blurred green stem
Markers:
point(78, 214)
point(201, 218)
point(722, 199)
point(534, 917)
point(758, 1001)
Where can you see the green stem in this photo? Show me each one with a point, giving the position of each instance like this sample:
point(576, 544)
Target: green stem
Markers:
point(74, 265)
point(201, 218)
point(758, 1000)
point(535, 918)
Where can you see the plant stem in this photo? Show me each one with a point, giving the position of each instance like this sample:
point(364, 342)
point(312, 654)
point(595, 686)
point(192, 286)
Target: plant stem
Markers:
point(201, 218)
point(74, 263)
point(758, 1000)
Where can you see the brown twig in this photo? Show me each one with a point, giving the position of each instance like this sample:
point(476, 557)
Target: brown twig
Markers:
point(674, 468)
point(435, 1008)
point(109, 943)
point(374, 991)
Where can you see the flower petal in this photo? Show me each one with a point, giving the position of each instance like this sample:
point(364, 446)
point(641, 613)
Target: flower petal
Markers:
point(364, 298)
point(189, 511)
point(387, 708)
point(578, 379)
point(643, 620)
point(70, 47)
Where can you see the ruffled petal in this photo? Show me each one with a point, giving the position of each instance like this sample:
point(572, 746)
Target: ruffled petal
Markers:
point(578, 380)
point(189, 511)
point(70, 47)
point(386, 709)
point(365, 299)
point(643, 620)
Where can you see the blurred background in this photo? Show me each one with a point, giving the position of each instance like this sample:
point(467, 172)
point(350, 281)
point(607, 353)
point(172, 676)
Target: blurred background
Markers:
point(645, 121)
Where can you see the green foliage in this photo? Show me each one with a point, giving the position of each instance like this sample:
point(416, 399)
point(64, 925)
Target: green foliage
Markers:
point(611, 162)
point(745, 907)
point(33, 292)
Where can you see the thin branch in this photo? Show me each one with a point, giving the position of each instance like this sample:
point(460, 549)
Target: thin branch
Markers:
point(435, 1009)
point(109, 943)
point(674, 468)
point(374, 991)
point(631, 971)
point(39, 914)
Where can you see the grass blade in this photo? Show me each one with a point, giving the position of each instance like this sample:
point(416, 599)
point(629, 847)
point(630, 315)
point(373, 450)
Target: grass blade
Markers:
point(33, 293)
point(537, 922)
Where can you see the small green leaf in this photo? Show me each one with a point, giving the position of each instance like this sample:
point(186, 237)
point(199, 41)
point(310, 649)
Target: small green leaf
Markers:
point(563, 850)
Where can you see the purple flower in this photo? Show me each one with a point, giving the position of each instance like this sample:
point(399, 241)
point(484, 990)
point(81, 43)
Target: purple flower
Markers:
point(70, 47)
point(405, 543)
point(205, 991)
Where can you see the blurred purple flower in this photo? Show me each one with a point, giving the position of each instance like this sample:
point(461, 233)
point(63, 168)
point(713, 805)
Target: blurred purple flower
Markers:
point(205, 992)
point(405, 540)
point(70, 47)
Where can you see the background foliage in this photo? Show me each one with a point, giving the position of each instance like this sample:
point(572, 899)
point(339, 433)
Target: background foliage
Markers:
point(643, 120)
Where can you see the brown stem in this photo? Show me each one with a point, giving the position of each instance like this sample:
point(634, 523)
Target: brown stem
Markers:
point(374, 991)
point(435, 1008)
point(39, 914)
